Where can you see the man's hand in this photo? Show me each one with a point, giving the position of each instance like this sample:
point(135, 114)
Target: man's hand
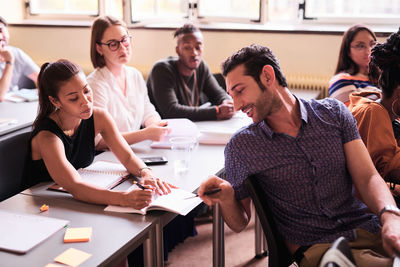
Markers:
point(391, 232)
point(226, 110)
point(213, 182)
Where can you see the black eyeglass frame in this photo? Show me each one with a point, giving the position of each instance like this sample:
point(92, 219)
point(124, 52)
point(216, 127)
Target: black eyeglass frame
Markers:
point(126, 38)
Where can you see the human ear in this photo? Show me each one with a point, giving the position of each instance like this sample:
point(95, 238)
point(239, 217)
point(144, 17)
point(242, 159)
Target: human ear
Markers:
point(268, 74)
point(99, 49)
point(55, 102)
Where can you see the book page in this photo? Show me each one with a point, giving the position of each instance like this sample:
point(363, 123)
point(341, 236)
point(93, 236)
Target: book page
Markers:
point(104, 174)
point(178, 201)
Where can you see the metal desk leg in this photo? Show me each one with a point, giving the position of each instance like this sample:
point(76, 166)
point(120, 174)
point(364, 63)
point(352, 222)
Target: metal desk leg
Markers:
point(258, 236)
point(218, 238)
point(149, 249)
point(159, 245)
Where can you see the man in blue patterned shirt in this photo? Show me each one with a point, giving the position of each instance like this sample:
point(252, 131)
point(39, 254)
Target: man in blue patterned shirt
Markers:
point(307, 155)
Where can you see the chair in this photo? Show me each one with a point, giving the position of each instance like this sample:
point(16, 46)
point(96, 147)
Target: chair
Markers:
point(13, 152)
point(339, 255)
point(278, 254)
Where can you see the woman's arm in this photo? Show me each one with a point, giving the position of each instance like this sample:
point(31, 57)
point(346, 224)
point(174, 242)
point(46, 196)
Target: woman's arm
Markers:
point(115, 141)
point(5, 80)
point(50, 148)
point(153, 132)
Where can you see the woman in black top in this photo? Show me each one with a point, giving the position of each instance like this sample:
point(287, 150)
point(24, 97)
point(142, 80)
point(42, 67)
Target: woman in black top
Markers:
point(63, 140)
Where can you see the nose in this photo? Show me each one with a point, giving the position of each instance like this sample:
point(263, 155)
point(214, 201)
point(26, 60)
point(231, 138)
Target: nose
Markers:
point(236, 103)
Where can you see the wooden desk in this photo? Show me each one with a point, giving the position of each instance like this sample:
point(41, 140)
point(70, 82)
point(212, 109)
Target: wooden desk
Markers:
point(23, 113)
point(114, 235)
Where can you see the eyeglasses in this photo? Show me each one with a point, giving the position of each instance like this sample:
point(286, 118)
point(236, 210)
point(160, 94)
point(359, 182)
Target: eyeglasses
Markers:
point(363, 46)
point(114, 45)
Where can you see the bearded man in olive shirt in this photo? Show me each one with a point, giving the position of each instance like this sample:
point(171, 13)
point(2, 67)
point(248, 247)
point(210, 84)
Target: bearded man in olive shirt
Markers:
point(178, 87)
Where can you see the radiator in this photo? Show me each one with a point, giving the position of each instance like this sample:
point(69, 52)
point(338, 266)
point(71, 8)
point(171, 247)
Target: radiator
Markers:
point(310, 82)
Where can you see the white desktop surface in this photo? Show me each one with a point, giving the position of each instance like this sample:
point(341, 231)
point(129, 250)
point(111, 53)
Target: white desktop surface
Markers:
point(23, 113)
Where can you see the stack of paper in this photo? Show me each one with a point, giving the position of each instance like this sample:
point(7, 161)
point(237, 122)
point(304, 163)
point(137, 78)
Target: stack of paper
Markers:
point(179, 127)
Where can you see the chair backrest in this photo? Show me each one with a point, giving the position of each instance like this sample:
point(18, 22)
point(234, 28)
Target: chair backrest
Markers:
point(339, 255)
point(278, 254)
point(13, 152)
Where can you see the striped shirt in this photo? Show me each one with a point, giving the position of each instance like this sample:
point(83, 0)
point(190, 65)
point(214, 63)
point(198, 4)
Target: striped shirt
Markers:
point(343, 84)
point(305, 178)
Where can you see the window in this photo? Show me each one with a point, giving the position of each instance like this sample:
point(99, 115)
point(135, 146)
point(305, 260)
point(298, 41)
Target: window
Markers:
point(355, 10)
point(248, 10)
point(72, 9)
point(142, 10)
point(230, 9)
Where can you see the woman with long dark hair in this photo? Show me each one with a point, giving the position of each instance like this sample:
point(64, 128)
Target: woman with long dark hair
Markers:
point(352, 69)
point(62, 140)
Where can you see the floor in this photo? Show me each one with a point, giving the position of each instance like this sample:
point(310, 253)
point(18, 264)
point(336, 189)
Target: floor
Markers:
point(197, 251)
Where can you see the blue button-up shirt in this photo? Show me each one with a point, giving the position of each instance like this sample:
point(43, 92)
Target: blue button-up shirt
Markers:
point(305, 178)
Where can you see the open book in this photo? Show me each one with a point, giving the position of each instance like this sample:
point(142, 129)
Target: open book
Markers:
point(178, 201)
point(103, 174)
point(179, 127)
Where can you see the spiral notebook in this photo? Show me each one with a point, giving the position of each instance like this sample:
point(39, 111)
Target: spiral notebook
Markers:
point(104, 174)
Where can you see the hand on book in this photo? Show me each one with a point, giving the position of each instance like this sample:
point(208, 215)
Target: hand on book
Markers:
point(161, 187)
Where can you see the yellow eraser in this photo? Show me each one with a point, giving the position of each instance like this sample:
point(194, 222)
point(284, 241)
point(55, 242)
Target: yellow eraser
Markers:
point(44, 207)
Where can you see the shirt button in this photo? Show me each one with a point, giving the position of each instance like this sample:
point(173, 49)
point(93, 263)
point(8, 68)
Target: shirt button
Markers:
point(340, 221)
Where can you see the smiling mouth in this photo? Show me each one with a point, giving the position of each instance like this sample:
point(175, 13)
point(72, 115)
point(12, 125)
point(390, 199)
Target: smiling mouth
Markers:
point(248, 110)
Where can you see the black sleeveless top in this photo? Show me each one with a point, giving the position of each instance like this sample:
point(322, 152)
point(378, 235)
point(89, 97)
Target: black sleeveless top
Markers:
point(79, 150)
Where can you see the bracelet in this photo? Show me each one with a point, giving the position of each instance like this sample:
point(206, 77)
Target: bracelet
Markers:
point(217, 109)
point(141, 169)
point(9, 62)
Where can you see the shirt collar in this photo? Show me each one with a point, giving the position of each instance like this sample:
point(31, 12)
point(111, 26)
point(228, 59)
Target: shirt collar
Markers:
point(303, 113)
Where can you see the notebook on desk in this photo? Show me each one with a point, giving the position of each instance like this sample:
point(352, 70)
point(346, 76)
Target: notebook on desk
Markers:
point(20, 232)
point(104, 174)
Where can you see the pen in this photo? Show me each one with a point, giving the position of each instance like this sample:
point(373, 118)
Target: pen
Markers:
point(207, 193)
point(212, 191)
point(139, 185)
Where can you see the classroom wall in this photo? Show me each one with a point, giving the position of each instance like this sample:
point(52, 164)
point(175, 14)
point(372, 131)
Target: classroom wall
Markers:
point(298, 53)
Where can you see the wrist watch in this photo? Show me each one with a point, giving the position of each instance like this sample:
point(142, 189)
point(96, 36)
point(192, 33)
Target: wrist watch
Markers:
point(389, 208)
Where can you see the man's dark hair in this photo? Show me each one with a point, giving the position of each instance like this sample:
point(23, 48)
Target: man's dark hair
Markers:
point(185, 29)
point(2, 20)
point(254, 58)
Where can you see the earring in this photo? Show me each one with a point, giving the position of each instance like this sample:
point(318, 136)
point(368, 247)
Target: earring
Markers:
point(393, 107)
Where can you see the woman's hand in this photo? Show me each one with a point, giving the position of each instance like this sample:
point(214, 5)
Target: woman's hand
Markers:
point(138, 198)
point(161, 187)
point(155, 132)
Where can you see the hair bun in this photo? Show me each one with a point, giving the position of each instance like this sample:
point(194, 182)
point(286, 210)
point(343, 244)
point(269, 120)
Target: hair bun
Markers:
point(387, 55)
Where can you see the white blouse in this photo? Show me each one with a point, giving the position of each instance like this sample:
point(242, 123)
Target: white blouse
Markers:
point(130, 111)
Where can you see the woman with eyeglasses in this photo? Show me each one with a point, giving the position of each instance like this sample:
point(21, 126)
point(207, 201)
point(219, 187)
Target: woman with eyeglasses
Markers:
point(375, 119)
point(122, 91)
point(118, 88)
point(353, 65)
